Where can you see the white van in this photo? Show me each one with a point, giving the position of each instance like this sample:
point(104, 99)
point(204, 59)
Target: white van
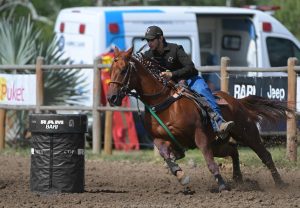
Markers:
point(248, 37)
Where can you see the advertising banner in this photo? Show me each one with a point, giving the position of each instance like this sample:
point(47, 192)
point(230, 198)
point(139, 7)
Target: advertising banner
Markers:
point(268, 87)
point(18, 89)
point(274, 88)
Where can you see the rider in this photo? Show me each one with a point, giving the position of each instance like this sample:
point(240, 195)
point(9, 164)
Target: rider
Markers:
point(173, 57)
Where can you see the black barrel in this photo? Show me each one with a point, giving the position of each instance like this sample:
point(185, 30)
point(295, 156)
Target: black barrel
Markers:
point(57, 152)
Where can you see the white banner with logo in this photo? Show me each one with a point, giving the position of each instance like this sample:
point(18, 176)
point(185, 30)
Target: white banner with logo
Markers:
point(18, 89)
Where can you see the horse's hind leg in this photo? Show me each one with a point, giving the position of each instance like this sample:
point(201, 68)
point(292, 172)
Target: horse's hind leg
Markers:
point(265, 156)
point(230, 149)
point(170, 156)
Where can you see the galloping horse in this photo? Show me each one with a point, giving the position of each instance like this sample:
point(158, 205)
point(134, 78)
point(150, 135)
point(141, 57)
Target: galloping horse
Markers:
point(185, 121)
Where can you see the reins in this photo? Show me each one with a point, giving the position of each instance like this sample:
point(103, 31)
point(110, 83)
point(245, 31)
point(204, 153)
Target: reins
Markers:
point(125, 90)
point(152, 68)
point(125, 84)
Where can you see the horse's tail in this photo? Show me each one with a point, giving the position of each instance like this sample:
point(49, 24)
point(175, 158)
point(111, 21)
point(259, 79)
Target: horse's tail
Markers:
point(259, 108)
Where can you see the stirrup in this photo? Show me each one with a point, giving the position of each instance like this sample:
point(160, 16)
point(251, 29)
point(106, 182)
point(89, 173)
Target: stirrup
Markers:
point(223, 132)
point(225, 127)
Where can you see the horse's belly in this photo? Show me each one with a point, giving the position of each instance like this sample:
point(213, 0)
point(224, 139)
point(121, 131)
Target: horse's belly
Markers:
point(181, 131)
point(182, 120)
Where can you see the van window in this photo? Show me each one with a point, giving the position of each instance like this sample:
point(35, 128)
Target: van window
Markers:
point(280, 49)
point(184, 41)
point(207, 49)
point(231, 42)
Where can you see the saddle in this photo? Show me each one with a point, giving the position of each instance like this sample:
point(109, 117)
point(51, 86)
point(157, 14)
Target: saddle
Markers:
point(199, 100)
point(182, 90)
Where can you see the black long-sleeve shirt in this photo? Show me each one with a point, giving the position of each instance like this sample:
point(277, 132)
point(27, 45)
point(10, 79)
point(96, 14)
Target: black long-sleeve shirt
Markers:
point(175, 59)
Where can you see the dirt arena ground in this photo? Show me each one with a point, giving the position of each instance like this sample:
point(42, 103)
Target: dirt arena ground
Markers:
point(125, 184)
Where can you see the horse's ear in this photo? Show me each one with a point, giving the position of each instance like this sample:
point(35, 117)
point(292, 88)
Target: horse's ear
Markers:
point(116, 51)
point(129, 52)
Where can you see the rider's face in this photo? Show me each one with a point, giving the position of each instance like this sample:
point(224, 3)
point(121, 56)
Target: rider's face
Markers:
point(154, 44)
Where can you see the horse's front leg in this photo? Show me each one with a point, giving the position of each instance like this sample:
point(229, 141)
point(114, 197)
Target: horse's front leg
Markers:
point(230, 149)
point(166, 151)
point(214, 168)
point(204, 145)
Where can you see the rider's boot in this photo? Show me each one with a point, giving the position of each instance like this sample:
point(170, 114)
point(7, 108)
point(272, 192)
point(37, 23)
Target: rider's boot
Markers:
point(220, 126)
point(224, 129)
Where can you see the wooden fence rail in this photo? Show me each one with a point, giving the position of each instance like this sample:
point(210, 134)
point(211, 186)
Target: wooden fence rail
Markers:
point(224, 70)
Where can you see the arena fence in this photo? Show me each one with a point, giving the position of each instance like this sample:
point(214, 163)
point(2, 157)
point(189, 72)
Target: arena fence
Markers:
point(96, 108)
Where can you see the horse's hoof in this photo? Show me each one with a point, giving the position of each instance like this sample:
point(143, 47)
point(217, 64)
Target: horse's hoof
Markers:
point(184, 181)
point(222, 188)
point(182, 178)
point(282, 185)
point(188, 191)
point(238, 179)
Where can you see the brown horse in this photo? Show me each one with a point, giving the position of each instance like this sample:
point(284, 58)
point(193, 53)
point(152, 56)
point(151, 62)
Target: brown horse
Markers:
point(186, 121)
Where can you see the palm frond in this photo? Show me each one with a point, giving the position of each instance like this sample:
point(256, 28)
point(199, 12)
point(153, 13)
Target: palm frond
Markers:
point(20, 45)
point(18, 41)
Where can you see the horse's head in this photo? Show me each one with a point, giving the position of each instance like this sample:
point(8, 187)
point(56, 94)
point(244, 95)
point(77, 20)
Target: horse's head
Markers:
point(121, 71)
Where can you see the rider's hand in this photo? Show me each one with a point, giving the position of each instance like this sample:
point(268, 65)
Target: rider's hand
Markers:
point(167, 75)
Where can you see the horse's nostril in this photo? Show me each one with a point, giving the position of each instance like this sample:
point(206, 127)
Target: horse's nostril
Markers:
point(112, 99)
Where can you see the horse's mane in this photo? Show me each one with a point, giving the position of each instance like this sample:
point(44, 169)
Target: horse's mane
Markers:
point(152, 66)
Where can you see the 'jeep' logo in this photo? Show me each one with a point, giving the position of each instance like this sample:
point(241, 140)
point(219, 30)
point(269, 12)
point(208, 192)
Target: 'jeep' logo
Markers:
point(276, 93)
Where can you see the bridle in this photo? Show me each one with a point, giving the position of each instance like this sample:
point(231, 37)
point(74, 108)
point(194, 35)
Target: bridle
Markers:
point(125, 90)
